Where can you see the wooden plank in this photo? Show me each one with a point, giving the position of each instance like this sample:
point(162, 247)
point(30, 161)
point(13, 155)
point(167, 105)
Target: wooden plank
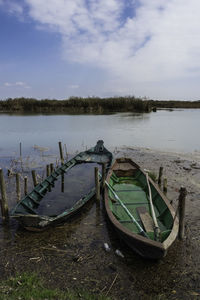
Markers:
point(146, 219)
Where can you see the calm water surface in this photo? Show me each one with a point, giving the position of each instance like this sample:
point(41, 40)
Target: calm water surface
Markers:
point(175, 130)
point(75, 250)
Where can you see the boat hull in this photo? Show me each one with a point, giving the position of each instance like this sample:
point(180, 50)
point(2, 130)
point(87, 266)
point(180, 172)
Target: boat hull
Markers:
point(40, 223)
point(145, 247)
point(141, 247)
point(25, 212)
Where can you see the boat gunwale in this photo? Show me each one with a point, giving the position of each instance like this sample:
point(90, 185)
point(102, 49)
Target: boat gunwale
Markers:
point(88, 156)
point(63, 214)
point(174, 231)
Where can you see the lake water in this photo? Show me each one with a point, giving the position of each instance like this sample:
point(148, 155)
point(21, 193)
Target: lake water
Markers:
point(175, 130)
point(74, 251)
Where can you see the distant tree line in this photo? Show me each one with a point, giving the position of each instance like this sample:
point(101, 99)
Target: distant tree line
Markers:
point(174, 104)
point(75, 104)
point(91, 105)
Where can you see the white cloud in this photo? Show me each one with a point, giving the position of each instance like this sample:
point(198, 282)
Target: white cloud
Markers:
point(160, 41)
point(8, 84)
point(73, 86)
point(20, 84)
point(135, 41)
point(12, 7)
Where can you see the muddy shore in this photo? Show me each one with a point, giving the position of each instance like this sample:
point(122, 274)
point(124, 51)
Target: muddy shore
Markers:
point(72, 255)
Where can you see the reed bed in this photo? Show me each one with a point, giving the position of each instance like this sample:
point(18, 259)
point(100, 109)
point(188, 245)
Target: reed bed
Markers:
point(76, 104)
point(91, 105)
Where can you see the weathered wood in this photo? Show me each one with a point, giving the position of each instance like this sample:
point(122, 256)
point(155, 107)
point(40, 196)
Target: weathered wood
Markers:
point(32, 218)
point(135, 236)
point(155, 221)
point(63, 183)
point(66, 154)
point(51, 168)
point(146, 219)
point(34, 177)
point(61, 152)
point(97, 183)
point(25, 185)
point(103, 175)
point(3, 200)
point(20, 149)
point(47, 170)
point(48, 174)
point(182, 198)
point(18, 189)
point(160, 175)
point(165, 185)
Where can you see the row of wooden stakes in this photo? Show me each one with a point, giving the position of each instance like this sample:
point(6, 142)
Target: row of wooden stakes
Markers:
point(49, 170)
point(3, 199)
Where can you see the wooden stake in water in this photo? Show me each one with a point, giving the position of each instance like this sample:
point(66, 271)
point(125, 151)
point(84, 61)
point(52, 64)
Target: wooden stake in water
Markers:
point(3, 200)
point(66, 154)
point(182, 197)
point(18, 190)
point(20, 149)
point(160, 175)
point(34, 177)
point(48, 174)
point(62, 183)
point(103, 175)
point(51, 168)
point(165, 185)
point(97, 183)
point(47, 170)
point(61, 152)
point(25, 185)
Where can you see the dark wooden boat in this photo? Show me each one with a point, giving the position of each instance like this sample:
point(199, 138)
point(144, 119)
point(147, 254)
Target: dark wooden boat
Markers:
point(129, 193)
point(26, 211)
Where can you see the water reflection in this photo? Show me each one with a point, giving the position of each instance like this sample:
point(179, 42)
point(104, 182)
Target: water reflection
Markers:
point(68, 189)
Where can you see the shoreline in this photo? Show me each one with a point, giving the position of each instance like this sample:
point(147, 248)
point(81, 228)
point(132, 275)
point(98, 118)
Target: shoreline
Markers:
point(75, 250)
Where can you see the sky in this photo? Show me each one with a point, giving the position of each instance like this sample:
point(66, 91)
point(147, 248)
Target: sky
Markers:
point(60, 48)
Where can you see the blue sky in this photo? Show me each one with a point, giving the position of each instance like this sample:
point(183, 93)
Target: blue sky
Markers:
point(62, 48)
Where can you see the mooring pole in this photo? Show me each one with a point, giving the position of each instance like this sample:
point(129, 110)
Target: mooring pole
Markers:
point(48, 174)
point(66, 154)
point(34, 177)
point(165, 185)
point(160, 175)
point(103, 175)
point(97, 183)
point(18, 191)
point(182, 198)
point(61, 152)
point(51, 168)
point(47, 170)
point(25, 185)
point(62, 183)
point(3, 200)
point(20, 150)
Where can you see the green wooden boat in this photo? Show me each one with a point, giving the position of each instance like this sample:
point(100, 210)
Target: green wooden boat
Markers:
point(26, 211)
point(148, 229)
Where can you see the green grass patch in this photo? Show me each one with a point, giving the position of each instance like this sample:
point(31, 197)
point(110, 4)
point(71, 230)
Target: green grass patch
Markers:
point(31, 287)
